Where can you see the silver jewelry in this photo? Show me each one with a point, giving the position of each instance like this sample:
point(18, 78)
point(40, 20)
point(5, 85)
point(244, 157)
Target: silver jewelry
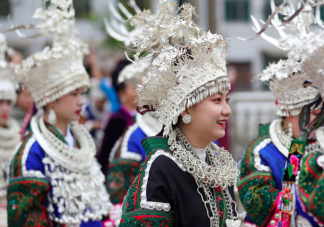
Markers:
point(290, 131)
point(186, 119)
point(221, 173)
point(51, 117)
point(74, 174)
point(9, 139)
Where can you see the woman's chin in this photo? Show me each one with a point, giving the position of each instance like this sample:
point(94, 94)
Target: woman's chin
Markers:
point(219, 134)
point(74, 118)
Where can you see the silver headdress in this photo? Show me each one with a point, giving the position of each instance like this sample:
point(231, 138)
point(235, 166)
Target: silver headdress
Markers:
point(59, 69)
point(7, 87)
point(116, 27)
point(188, 65)
point(285, 78)
point(133, 73)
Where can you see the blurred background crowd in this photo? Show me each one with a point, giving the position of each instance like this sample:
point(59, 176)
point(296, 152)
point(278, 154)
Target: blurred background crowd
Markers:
point(251, 102)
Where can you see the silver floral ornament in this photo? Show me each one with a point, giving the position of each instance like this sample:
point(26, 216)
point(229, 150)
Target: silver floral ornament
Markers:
point(186, 119)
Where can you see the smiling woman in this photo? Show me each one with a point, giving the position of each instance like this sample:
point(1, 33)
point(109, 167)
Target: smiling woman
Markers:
point(208, 120)
point(188, 90)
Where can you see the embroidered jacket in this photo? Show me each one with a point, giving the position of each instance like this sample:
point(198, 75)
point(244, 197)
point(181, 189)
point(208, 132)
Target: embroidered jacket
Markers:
point(259, 184)
point(125, 159)
point(163, 194)
point(310, 189)
point(115, 128)
point(30, 191)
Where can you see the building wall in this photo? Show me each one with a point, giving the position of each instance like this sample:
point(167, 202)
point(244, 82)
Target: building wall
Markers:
point(21, 12)
point(253, 55)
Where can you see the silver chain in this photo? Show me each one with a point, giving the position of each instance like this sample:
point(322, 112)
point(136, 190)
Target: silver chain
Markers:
point(284, 138)
point(221, 173)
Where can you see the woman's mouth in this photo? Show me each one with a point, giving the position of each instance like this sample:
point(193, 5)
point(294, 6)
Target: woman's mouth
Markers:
point(78, 112)
point(5, 117)
point(222, 123)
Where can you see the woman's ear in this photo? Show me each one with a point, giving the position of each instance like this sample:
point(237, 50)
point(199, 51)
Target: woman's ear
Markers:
point(185, 113)
point(50, 105)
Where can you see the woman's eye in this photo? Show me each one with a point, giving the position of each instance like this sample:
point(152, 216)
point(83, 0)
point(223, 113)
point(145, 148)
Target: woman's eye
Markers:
point(217, 100)
point(227, 100)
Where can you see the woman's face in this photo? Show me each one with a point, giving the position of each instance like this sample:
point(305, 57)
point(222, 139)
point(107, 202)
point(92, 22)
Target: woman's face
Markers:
point(127, 96)
point(24, 100)
point(68, 107)
point(209, 117)
point(5, 111)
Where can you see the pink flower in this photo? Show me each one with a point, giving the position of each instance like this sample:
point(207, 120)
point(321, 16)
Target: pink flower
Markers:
point(294, 161)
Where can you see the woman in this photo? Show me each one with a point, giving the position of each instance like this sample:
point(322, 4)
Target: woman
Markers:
point(127, 154)
point(262, 166)
point(54, 178)
point(309, 185)
point(122, 119)
point(9, 128)
point(184, 179)
point(269, 166)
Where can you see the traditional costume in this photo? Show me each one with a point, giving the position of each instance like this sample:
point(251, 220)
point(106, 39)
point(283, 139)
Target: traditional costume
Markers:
point(268, 167)
point(56, 180)
point(128, 153)
point(309, 179)
point(174, 187)
point(9, 133)
point(122, 75)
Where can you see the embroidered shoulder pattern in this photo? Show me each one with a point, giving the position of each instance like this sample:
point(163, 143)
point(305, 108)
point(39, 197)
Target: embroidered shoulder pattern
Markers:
point(311, 187)
point(18, 163)
point(256, 184)
point(121, 175)
point(16, 167)
point(26, 202)
point(136, 208)
point(147, 218)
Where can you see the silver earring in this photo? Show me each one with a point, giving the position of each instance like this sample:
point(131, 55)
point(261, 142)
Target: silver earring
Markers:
point(186, 119)
point(290, 131)
point(51, 117)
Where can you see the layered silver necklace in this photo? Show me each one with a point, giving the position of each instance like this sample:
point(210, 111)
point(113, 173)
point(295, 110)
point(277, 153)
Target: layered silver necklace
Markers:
point(9, 139)
point(222, 172)
point(284, 137)
point(76, 180)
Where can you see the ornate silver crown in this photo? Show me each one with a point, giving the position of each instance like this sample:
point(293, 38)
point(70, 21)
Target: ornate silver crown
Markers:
point(7, 88)
point(188, 64)
point(57, 70)
point(286, 78)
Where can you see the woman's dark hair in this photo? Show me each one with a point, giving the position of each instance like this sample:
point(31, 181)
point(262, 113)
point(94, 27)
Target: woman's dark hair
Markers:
point(115, 74)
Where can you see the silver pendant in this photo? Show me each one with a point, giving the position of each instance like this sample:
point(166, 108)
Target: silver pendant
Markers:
point(233, 223)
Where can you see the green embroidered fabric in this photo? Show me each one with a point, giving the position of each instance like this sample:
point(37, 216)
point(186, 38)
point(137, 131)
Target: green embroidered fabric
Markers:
point(15, 167)
point(153, 143)
point(120, 177)
point(26, 202)
point(264, 130)
point(132, 201)
point(221, 206)
point(311, 185)
point(257, 189)
point(150, 218)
